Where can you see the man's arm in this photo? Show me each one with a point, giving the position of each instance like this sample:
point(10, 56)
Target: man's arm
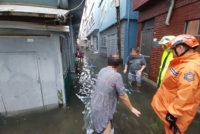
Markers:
point(126, 65)
point(143, 65)
point(127, 103)
point(125, 69)
point(119, 87)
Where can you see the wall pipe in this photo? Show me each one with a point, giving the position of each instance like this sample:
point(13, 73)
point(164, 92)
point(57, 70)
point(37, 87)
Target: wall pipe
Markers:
point(169, 12)
point(127, 28)
point(58, 3)
point(129, 8)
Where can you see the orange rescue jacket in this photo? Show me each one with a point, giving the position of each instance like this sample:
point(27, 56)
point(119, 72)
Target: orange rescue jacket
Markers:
point(179, 93)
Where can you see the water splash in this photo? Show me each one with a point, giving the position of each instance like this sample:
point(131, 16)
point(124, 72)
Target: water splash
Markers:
point(84, 94)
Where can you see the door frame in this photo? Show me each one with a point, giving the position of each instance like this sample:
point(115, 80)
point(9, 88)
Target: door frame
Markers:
point(145, 56)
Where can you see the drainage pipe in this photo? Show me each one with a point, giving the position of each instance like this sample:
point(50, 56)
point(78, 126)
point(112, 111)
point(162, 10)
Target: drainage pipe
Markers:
point(169, 12)
point(127, 30)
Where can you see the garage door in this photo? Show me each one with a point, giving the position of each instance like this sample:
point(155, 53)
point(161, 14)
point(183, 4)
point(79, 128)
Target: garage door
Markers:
point(20, 81)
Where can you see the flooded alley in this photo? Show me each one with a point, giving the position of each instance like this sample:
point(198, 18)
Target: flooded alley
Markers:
point(73, 118)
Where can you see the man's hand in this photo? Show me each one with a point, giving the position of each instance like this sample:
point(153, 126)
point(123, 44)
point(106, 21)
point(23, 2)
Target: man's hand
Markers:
point(135, 111)
point(140, 72)
point(125, 71)
point(172, 120)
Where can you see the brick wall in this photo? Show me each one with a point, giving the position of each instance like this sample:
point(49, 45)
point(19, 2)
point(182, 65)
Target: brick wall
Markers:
point(185, 10)
point(162, 6)
point(138, 3)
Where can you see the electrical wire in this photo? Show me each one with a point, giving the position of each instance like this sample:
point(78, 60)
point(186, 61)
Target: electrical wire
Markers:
point(77, 6)
point(62, 17)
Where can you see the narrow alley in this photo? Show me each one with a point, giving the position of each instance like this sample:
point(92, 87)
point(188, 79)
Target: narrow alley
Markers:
point(70, 120)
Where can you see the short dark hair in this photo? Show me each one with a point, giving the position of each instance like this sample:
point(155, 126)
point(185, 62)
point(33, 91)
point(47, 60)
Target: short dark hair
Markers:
point(137, 49)
point(114, 60)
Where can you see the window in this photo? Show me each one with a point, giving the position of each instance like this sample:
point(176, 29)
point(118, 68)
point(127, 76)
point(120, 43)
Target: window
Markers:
point(103, 41)
point(193, 27)
point(149, 24)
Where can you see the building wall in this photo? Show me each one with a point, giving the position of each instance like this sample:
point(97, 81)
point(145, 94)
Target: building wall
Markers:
point(104, 16)
point(65, 55)
point(108, 15)
point(138, 3)
point(128, 26)
point(184, 11)
point(130, 36)
point(105, 44)
point(110, 43)
point(92, 17)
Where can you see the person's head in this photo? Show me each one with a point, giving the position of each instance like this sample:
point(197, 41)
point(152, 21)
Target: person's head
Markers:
point(115, 61)
point(164, 41)
point(135, 51)
point(183, 44)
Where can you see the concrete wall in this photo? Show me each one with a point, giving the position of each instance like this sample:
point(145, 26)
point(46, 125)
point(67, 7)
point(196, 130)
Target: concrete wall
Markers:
point(110, 13)
point(130, 36)
point(111, 40)
point(93, 17)
point(31, 72)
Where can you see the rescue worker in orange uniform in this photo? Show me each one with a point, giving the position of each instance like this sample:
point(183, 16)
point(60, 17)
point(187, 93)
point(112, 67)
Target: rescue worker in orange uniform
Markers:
point(177, 100)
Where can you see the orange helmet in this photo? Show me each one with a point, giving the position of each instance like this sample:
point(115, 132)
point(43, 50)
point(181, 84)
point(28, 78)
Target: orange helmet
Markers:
point(187, 39)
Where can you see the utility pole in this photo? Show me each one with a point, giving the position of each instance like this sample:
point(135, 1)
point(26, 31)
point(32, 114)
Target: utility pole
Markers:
point(117, 5)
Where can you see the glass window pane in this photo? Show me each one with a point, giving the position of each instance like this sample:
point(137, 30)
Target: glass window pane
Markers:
point(148, 24)
point(193, 27)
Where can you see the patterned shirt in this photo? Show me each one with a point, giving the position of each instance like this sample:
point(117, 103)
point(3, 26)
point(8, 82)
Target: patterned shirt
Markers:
point(109, 86)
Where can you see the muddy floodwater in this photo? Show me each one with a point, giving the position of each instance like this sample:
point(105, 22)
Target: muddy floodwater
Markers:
point(73, 119)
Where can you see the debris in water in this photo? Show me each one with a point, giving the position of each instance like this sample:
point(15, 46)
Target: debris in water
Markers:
point(128, 91)
point(89, 131)
point(92, 66)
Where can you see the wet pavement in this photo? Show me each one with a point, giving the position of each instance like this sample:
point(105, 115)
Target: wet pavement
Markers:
point(73, 119)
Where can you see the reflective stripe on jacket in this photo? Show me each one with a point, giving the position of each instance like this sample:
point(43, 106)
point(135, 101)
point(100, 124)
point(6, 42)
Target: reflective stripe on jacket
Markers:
point(167, 56)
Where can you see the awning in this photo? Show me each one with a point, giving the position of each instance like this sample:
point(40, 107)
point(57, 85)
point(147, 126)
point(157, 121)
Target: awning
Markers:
point(19, 10)
point(32, 26)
